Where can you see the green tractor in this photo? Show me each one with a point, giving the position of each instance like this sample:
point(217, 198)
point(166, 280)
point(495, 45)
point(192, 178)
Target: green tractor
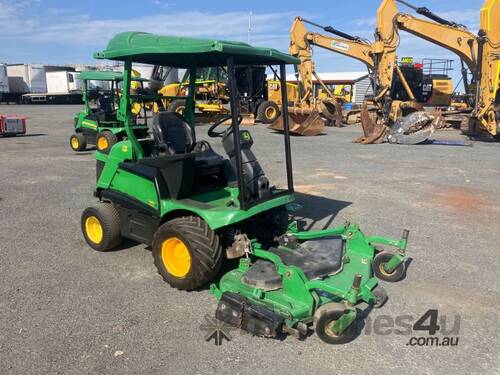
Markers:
point(197, 208)
point(98, 125)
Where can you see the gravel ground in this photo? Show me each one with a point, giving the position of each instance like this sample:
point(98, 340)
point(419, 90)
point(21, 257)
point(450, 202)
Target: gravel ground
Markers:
point(65, 309)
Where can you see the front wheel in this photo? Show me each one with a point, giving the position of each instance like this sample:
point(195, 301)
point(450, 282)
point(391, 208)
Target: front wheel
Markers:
point(101, 226)
point(187, 253)
point(78, 142)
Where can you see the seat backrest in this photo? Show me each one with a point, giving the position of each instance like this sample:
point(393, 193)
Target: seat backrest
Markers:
point(104, 104)
point(172, 133)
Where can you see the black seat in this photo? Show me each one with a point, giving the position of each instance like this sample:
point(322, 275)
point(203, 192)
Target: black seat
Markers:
point(317, 258)
point(105, 111)
point(172, 134)
point(186, 166)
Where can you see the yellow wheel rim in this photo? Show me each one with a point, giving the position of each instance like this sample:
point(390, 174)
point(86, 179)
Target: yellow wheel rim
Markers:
point(93, 228)
point(176, 257)
point(180, 110)
point(74, 143)
point(102, 143)
point(270, 112)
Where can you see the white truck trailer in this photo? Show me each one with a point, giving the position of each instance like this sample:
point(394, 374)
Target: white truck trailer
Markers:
point(25, 78)
point(4, 83)
point(62, 88)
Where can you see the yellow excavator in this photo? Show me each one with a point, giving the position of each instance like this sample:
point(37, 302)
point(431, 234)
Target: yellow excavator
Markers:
point(381, 60)
point(486, 111)
point(309, 114)
point(479, 53)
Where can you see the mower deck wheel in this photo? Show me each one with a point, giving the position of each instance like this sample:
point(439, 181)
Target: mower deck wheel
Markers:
point(101, 226)
point(379, 262)
point(105, 141)
point(78, 142)
point(324, 319)
point(187, 253)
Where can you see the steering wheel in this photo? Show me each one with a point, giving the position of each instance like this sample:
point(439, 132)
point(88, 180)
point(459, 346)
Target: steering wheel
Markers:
point(216, 134)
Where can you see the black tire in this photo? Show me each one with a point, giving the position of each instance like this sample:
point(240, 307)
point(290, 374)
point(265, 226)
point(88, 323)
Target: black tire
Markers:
point(379, 263)
point(108, 138)
point(380, 296)
point(177, 106)
point(268, 112)
point(325, 317)
point(109, 220)
point(202, 244)
point(78, 142)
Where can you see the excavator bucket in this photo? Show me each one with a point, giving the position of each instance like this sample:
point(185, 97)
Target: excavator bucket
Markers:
point(301, 122)
point(374, 131)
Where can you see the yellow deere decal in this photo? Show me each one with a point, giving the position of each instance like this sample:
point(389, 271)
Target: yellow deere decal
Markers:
point(124, 148)
point(89, 124)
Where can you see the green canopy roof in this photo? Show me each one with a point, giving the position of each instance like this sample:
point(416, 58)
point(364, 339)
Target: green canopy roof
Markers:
point(100, 75)
point(181, 52)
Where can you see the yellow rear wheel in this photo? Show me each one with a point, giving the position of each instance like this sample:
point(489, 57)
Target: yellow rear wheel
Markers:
point(102, 143)
point(187, 253)
point(176, 257)
point(105, 141)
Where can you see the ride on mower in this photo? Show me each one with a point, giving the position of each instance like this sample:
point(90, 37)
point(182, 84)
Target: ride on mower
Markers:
point(196, 208)
point(100, 126)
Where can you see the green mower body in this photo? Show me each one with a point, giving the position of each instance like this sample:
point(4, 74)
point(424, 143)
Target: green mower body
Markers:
point(197, 208)
point(100, 126)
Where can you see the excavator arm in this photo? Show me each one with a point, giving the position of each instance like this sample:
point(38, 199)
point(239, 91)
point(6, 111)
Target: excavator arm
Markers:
point(488, 70)
point(447, 34)
point(301, 40)
point(459, 41)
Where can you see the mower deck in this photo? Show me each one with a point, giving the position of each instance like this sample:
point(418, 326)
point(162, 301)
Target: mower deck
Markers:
point(309, 275)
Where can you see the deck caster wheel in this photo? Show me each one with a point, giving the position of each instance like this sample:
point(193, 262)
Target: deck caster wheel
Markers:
point(105, 141)
point(380, 272)
point(187, 253)
point(101, 226)
point(325, 318)
point(78, 142)
point(380, 297)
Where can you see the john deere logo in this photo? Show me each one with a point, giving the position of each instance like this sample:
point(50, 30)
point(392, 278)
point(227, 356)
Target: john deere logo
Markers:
point(246, 136)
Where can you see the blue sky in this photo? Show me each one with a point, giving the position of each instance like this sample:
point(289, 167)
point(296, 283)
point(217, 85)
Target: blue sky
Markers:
point(56, 31)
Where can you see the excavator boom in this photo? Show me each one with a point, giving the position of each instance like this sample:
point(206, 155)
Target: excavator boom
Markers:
point(485, 112)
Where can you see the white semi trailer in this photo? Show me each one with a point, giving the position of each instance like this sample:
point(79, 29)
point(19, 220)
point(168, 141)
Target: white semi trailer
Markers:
point(62, 88)
point(4, 82)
